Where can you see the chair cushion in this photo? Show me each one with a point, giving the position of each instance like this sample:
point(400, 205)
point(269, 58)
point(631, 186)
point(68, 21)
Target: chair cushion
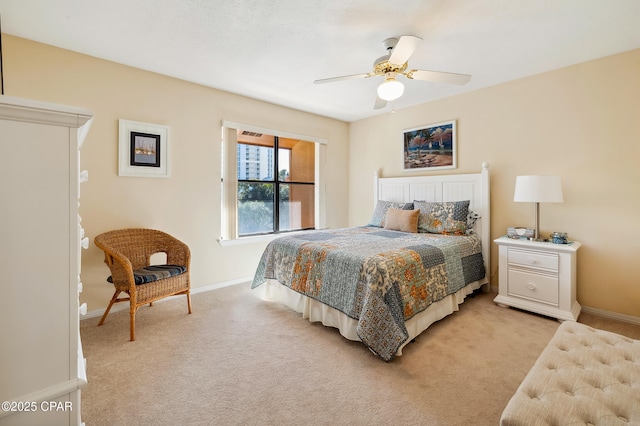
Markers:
point(154, 273)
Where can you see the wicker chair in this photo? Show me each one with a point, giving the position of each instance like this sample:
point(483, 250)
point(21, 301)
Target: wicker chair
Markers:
point(128, 254)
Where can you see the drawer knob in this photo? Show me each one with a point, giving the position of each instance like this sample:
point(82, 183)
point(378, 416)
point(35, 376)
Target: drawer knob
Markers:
point(532, 261)
point(531, 286)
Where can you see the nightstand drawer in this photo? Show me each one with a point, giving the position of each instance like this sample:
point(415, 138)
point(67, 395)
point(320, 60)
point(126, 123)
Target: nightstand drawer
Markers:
point(539, 287)
point(533, 259)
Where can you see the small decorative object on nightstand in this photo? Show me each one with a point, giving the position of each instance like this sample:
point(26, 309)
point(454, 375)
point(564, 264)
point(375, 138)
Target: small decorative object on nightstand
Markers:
point(539, 277)
point(519, 232)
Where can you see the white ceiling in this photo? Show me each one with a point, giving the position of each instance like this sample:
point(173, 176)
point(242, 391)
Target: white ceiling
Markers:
point(273, 50)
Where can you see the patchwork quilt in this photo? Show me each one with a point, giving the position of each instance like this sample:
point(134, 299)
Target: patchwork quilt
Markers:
point(378, 277)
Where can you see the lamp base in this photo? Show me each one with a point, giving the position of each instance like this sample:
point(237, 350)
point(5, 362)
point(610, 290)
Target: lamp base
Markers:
point(536, 235)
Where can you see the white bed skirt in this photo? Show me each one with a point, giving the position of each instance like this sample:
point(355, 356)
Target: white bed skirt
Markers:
point(316, 311)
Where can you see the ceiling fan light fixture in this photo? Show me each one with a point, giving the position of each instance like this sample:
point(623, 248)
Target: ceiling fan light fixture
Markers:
point(390, 90)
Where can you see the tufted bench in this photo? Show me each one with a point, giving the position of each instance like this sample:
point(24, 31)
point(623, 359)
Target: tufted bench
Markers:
point(583, 377)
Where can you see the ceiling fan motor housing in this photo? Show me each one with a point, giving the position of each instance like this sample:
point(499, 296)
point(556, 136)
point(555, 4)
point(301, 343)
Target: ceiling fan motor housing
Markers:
point(382, 66)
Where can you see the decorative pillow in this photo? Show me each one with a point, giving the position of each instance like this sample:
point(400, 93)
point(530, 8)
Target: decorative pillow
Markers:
point(381, 211)
point(447, 217)
point(472, 217)
point(402, 220)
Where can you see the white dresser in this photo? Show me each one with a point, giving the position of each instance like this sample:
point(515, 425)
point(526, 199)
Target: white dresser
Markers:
point(539, 277)
point(41, 363)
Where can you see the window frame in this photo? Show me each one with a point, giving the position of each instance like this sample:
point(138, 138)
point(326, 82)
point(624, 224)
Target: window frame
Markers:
point(229, 181)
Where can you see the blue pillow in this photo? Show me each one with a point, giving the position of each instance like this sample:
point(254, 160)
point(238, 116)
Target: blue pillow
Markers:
point(380, 212)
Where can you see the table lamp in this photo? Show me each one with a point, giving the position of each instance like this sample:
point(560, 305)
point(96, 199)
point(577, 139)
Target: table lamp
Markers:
point(538, 189)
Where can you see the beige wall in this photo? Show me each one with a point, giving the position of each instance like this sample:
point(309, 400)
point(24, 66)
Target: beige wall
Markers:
point(187, 204)
point(580, 122)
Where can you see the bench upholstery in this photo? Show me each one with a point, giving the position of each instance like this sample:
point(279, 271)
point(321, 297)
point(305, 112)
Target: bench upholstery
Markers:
point(584, 376)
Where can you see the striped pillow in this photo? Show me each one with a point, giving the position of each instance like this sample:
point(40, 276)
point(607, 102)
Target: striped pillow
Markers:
point(154, 273)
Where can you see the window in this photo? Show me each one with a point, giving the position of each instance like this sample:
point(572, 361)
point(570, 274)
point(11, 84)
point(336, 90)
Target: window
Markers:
point(275, 185)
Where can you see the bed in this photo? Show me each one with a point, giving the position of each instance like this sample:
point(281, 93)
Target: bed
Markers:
point(384, 283)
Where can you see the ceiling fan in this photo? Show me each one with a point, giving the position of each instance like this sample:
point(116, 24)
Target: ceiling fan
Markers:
point(395, 63)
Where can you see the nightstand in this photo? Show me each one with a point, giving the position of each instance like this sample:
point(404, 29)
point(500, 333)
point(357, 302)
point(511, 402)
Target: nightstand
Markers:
point(538, 277)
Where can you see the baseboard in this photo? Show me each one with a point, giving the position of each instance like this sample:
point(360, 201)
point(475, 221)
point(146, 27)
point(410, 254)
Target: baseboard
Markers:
point(125, 306)
point(612, 315)
point(221, 285)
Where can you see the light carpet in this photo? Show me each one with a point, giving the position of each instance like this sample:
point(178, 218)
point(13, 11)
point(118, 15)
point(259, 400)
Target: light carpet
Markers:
point(239, 360)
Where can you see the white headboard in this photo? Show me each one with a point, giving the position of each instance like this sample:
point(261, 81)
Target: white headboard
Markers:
point(472, 187)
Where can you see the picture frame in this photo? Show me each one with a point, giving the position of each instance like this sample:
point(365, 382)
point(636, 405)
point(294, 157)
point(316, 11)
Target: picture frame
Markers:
point(430, 147)
point(143, 149)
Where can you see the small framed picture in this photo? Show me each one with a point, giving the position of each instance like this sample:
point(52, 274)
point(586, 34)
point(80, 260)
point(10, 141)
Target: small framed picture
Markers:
point(143, 149)
point(430, 147)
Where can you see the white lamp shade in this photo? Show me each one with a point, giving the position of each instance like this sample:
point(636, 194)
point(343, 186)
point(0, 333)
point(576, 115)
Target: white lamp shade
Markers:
point(390, 90)
point(538, 189)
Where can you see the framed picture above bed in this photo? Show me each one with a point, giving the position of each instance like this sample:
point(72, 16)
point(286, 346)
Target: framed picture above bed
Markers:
point(142, 149)
point(430, 147)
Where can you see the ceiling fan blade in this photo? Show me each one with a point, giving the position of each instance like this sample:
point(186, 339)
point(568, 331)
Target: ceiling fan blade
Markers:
point(438, 76)
point(343, 77)
point(404, 49)
point(380, 103)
